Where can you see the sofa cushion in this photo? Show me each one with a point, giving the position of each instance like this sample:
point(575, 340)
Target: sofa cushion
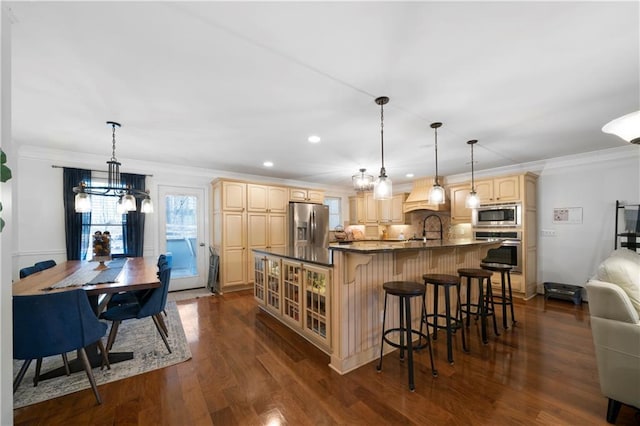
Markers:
point(622, 268)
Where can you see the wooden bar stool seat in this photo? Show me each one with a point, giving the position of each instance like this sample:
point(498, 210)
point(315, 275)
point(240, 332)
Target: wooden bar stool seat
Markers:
point(485, 307)
point(451, 323)
point(405, 290)
point(504, 299)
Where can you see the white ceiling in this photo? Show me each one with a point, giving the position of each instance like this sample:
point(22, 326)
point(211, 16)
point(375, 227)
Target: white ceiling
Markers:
point(228, 85)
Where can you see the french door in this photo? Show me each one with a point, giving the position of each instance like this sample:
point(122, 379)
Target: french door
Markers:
point(181, 236)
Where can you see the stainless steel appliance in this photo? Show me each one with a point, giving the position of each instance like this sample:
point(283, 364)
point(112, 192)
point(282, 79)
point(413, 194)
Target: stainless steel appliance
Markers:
point(510, 252)
point(497, 215)
point(308, 225)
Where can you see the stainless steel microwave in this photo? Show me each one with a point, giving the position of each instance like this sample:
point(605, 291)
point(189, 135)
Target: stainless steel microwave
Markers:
point(497, 215)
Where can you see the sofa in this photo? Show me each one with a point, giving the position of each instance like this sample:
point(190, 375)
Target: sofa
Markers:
point(614, 306)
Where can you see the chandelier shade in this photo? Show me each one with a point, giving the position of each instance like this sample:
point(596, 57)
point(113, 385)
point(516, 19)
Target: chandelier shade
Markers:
point(472, 201)
point(115, 187)
point(626, 127)
point(383, 187)
point(436, 194)
point(362, 182)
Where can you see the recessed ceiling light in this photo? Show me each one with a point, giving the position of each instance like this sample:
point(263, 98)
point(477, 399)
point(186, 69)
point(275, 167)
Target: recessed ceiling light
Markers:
point(409, 175)
point(268, 164)
point(314, 139)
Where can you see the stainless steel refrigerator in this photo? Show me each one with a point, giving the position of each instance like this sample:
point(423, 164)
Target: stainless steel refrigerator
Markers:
point(308, 225)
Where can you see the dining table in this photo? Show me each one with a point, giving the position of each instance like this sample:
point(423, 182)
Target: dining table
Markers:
point(100, 283)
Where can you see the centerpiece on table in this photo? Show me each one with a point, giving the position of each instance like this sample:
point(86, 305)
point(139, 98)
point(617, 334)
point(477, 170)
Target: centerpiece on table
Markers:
point(101, 248)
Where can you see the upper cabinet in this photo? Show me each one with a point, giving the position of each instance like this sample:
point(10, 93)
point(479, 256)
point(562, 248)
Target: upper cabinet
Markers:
point(419, 197)
point(391, 211)
point(230, 196)
point(306, 195)
point(498, 190)
point(267, 199)
point(458, 195)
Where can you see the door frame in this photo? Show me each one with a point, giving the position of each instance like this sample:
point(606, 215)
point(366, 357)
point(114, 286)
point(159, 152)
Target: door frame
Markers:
point(199, 280)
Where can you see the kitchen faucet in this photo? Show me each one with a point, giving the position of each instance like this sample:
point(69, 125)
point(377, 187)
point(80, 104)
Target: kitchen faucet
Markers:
point(424, 226)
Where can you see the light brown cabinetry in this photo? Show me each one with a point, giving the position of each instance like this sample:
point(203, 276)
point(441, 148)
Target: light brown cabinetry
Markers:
point(306, 195)
point(498, 190)
point(269, 199)
point(249, 215)
point(390, 212)
point(297, 293)
point(458, 195)
point(364, 210)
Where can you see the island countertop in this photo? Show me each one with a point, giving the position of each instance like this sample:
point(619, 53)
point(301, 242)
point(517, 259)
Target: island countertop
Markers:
point(364, 246)
point(324, 256)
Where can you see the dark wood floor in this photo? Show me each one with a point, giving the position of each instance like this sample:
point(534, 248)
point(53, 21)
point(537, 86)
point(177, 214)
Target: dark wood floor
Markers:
point(247, 369)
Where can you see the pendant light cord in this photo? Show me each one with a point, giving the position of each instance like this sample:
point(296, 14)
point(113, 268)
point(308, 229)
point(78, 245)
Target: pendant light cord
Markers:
point(473, 185)
point(436, 133)
point(382, 135)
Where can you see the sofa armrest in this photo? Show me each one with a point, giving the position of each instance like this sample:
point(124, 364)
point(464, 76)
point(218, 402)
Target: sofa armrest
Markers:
point(607, 300)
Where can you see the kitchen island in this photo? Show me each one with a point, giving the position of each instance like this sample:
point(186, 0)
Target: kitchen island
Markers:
point(337, 304)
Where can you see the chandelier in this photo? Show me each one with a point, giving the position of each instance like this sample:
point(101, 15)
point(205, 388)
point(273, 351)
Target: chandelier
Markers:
point(115, 188)
point(362, 182)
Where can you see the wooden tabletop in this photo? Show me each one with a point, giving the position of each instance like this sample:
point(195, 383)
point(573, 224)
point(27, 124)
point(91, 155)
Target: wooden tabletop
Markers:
point(137, 274)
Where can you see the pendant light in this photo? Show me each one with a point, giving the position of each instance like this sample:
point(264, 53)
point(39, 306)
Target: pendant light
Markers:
point(362, 182)
point(626, 127)
point(472, 201)
point(382, 188)
point(436, 194)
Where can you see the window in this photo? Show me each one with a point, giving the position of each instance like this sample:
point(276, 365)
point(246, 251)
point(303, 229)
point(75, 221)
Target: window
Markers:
point(335, 211)
point(104, 217)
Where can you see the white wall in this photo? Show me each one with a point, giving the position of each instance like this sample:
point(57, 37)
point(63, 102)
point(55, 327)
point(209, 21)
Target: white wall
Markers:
point(594, 183)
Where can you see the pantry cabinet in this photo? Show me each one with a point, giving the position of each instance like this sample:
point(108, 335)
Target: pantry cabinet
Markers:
point(248, 215)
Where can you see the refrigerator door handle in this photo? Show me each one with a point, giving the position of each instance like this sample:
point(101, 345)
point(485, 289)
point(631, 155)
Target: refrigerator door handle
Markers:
point(313, 227)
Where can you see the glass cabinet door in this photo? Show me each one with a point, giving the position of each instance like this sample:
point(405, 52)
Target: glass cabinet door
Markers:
point(259, 278)
point(316, 304)
point(273, 283)
point(291, 291)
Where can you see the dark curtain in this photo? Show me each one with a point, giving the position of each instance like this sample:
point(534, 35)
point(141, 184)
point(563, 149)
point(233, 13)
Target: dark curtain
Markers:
point(133, 223)
point(76, 225)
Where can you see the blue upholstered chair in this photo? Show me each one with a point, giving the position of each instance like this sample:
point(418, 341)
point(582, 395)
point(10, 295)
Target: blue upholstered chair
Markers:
point(150, 305)
point(55, 323)
point(45, 264)
point(127, 297)
point(25, 272)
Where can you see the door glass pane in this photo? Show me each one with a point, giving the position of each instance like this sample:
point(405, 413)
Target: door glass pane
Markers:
point(181, 232)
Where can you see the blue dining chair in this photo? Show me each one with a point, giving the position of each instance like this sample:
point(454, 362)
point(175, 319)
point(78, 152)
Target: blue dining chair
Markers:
point(25, 272)
point(45, 264)
point(151, 305)
point(55, 323)
point(135, 296)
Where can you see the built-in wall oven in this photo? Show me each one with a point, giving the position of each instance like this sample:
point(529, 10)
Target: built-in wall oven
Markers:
point(510, 252)
point(497, 215)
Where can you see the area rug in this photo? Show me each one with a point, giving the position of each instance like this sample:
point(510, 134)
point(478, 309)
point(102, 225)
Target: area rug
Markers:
point(137, 336)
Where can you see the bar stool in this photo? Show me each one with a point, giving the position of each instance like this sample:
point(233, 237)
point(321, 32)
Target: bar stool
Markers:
point(504, 299)
point(405, 290)
point(485, 306)
point(451, 323)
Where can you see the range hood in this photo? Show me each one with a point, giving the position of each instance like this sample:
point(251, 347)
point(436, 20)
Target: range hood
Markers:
point(419, 198)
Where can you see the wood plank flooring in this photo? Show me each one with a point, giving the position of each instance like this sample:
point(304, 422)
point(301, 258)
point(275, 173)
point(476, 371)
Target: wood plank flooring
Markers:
point(248, 369)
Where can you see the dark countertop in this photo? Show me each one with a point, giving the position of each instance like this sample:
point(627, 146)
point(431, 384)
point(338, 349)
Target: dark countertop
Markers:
point(317, 255)
point(324, 256)
point(397, 245)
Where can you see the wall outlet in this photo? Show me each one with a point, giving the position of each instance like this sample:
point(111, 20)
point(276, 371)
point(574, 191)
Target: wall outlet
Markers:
point(548, 232)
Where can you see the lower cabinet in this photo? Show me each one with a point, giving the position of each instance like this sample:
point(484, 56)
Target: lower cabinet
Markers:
point(296, 293)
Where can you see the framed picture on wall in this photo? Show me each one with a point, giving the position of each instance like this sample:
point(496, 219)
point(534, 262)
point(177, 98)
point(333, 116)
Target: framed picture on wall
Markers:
point(567, 215)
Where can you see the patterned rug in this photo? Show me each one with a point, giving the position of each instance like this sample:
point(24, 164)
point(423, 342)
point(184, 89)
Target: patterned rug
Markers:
point(138, 336)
